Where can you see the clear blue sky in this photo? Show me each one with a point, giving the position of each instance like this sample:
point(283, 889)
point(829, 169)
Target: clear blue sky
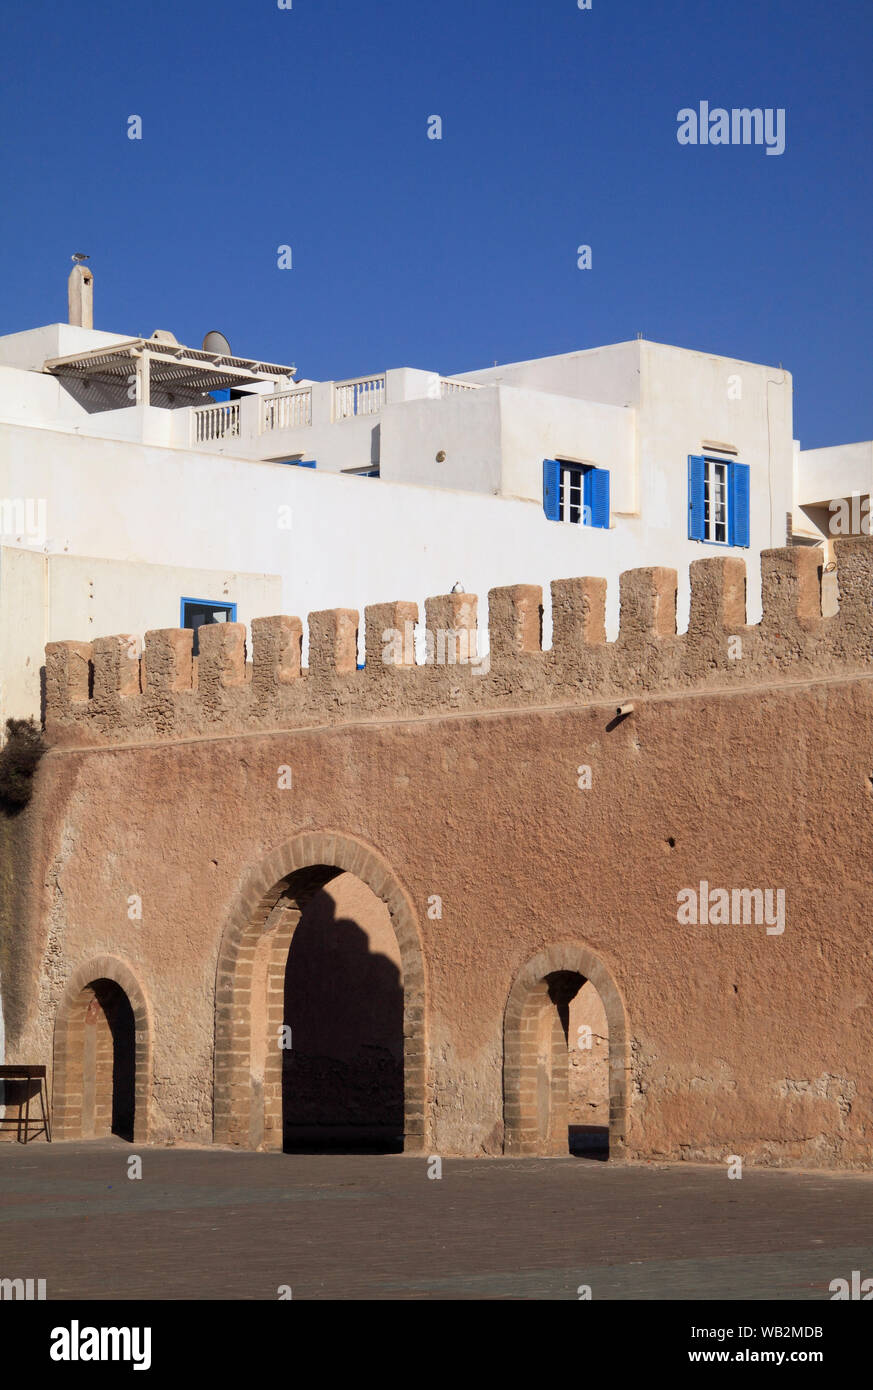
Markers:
point(308, 127)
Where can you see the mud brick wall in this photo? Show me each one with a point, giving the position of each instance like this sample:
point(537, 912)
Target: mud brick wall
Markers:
point(456, 793)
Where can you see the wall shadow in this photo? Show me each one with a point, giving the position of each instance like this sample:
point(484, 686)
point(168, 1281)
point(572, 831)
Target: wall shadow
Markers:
point(342, 1076)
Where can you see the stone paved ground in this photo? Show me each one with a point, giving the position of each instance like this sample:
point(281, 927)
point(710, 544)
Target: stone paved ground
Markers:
point(205, 1224)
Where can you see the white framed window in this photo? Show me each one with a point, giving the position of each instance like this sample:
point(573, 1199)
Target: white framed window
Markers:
point(577, 493)
point(718, 500)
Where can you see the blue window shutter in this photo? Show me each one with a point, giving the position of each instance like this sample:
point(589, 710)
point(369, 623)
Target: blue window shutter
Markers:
point(221, 395)
point(596, 496)
point(552, 489)
point(738, 502)
point(306, 463)
point(696, 499)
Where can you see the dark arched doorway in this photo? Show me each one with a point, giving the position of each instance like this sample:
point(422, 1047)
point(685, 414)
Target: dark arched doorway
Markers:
point(342, 1076)
point(320, 961)
point(100, 1081)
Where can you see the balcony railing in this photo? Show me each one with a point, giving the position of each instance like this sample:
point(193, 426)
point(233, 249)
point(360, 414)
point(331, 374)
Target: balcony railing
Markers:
point(286, 410)
point(366, 396)
point(450, 386)
point(210, 422)
point(255, 415)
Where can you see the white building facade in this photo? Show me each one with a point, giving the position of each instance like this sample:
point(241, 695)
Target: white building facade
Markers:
point(131, 499)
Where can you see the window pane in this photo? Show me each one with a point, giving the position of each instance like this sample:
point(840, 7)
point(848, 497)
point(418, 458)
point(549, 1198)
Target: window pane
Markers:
point(717, 509)
point(571, 495)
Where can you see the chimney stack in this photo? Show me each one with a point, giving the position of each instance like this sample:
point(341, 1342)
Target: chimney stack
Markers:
point(80, 296)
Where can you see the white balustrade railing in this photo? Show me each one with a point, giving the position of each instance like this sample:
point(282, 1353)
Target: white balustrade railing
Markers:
point(210, 422)
point(366, 396)
point(286, 410)
point(449, 386)
point(289, 410)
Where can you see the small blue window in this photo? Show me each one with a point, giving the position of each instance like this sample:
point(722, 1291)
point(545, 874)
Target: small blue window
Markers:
point(296, 463)
point(718, 500)
point(576, 492)
point(197, 611)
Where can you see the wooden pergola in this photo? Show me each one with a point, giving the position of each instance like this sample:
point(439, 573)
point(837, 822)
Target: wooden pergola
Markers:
point(169, 365)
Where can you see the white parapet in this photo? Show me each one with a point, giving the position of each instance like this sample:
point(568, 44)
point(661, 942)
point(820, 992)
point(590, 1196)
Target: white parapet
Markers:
point(285, 410)
point(209, 422)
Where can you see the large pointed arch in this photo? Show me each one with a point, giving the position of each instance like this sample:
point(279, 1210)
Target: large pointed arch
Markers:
point(251, 962)
point(529, 991)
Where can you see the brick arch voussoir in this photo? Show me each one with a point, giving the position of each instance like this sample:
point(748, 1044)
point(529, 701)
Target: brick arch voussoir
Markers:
point(261, 889)
point(120, 973)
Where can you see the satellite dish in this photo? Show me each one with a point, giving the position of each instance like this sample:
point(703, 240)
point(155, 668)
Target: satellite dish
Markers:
point(217, 343)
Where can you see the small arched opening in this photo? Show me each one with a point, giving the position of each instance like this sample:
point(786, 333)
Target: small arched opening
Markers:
point(565, 1057)
point(100, 1082)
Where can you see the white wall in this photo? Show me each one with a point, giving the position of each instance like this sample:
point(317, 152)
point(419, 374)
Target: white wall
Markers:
point(334, 540)
point(495, 440)
point(689, 399)
point(843, 470)
point(608, 374)
point(536, 426)
point(466, 426)
point(157, 519)
point(35, 346)
point(49, 598)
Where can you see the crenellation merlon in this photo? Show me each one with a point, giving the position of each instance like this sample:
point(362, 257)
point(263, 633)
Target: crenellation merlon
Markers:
point(101, 692)
point(277, 653)
point(167, 661)
point(790, 586)
point(647, 606)
point(515, 620)
point(452, 620)
point(389, 634)
point(333, 641)
point(718, 599)
point(578, 614)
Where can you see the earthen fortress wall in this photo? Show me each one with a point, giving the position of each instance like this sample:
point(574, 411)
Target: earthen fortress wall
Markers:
point(744, 764)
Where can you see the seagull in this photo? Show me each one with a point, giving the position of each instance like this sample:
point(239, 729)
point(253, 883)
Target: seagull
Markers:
point(79, 256)
point(457, 587)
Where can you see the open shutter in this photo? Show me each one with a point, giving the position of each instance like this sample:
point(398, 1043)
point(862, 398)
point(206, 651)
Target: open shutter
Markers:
point(696, 498)
point(738, 503)
point(552, 489)
point(597, 496)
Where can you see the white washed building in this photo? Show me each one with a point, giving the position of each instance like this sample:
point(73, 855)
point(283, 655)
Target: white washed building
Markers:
point(130, 499)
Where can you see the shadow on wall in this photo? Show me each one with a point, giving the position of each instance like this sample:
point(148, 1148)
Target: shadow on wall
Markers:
point(342, 1077)
point(95, 397)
